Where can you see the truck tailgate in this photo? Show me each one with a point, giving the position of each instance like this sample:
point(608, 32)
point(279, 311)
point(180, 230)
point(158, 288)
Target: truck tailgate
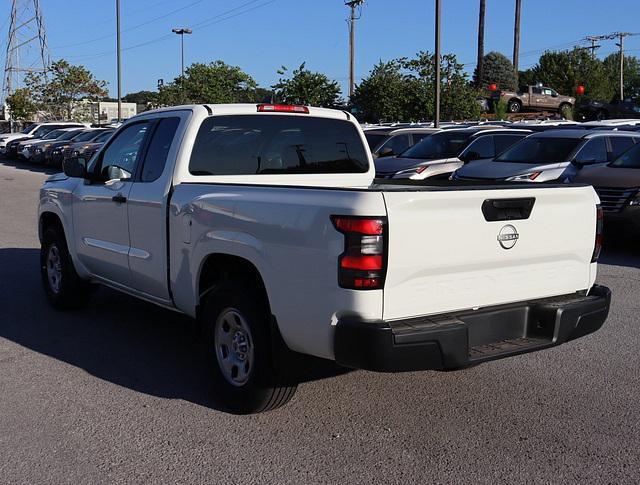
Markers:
point(444, 255)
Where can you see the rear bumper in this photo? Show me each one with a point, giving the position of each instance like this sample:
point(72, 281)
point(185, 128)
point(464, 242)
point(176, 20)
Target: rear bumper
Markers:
point(458, 340)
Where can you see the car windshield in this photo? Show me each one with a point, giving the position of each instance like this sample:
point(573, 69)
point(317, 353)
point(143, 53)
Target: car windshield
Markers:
point(629, 159)
point(540, 150)
point(69, 134)
point(43, 130)
point(52, 135)
point(86, 136)
point(103, 137)
point(374, 139)
point(439, 145)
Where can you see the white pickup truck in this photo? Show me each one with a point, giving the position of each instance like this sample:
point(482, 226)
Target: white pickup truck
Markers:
point(266, 224)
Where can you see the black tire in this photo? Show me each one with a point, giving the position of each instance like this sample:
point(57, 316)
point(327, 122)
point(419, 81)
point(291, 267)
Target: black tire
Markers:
point(267, 385)
point(71, 291)
point(515, 106)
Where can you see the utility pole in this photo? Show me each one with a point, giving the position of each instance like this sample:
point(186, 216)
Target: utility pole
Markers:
point(593, 39)
point(352, 4)
point(516, 37)
point(27, 50)
point(436, 118)
point(480, 65)
point(119, 60)
point(181, 33)
point(621, 36)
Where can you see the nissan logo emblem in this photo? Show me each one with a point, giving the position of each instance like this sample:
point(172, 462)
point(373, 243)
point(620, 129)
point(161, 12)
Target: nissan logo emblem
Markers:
point(508, 236)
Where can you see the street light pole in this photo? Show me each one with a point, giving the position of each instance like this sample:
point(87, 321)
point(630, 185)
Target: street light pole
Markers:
point(181, 33)
point(119, 60)
point(436, 118)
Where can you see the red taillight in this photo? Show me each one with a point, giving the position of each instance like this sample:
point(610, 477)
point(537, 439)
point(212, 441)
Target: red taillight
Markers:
point(371, 227)
point(361, 262)
point(282, 108)
point(362, 265)
point(597, 246)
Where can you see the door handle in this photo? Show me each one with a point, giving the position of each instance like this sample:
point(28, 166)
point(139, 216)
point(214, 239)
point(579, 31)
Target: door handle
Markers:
point(119, 199)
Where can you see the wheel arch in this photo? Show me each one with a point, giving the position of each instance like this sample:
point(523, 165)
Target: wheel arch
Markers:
point(49, 219)
point(217, 268)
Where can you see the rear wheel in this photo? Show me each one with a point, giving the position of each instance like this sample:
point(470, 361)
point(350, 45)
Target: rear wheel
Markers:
point(62, 285)
point(248, 376)
point(515, 106)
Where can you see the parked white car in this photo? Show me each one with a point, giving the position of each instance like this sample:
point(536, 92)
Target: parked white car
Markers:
point(263, 221)
point(442, 153)
point(36, 130)
point(548, 156)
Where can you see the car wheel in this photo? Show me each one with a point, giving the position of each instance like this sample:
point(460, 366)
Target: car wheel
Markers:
point(515, 106)
point(62, 285)
point(241, 351)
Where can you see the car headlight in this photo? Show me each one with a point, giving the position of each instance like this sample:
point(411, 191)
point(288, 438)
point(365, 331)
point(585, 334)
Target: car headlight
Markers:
point(525, 177)
point(411, 173)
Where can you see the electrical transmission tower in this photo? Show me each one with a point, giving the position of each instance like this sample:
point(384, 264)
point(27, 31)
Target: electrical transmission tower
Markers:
point(27, 49)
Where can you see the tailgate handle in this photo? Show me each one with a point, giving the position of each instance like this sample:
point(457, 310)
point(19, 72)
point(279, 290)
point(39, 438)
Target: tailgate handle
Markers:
point(507, 209)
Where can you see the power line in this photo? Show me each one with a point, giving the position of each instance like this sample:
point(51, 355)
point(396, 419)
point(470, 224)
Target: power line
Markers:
point(205, 23)
point(108, 36)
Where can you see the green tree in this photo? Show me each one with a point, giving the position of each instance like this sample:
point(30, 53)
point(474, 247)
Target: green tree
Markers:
point(631, 86)
point(59, 91)
point(215, 82)
point(381, 95)
point(142, 97)
point(308, 88)
point(498, 69)
point(565, 70)
point(403, 90)
point(21, 105)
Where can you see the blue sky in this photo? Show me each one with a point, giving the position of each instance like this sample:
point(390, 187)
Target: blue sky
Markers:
point(262, 35)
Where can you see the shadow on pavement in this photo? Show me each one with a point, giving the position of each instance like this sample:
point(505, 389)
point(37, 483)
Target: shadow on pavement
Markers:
point(31, 167)
point(621, 247)
point(117, 338)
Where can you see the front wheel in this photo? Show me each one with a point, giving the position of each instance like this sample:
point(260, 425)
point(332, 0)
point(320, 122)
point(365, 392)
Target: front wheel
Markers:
point(515, 106)
point(62, 285)
point(240, 351)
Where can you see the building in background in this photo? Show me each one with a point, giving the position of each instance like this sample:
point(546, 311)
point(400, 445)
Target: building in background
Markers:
point(104, 112)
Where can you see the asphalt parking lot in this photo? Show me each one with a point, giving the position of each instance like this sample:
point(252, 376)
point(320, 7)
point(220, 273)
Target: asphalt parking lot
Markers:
point(116, 393)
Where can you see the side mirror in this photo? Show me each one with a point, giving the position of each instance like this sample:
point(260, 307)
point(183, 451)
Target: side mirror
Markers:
point(386, 152)
point(470, 156)
point(579, 164)
point(75, 167)
point(554, 95)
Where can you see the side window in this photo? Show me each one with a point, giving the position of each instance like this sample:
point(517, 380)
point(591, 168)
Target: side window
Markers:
point(119, 159)
point(547, 92)
point(619, 145)
point(505, 141)
point(482, 147)
point(536, 91)
point(156, 157)
point(594, 151)
point(398, 144)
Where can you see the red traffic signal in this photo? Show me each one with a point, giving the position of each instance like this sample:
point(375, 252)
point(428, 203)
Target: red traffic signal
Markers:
point(493, 87)
point(580, 90)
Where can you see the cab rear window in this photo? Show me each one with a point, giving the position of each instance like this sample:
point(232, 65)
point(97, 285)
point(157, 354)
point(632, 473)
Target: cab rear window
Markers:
point(277, 144)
